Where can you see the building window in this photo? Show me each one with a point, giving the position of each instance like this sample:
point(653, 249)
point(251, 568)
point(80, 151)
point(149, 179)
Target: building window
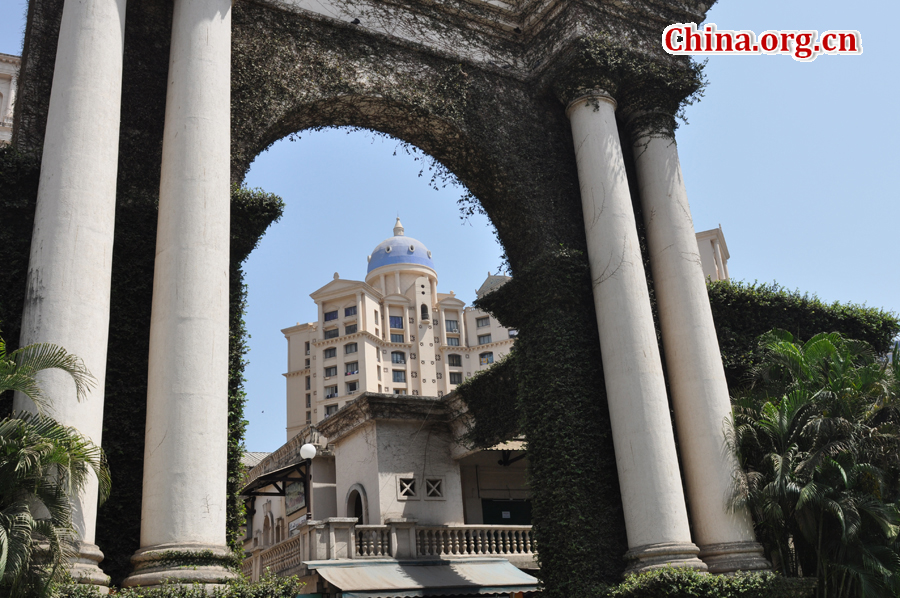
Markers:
point(424, 312)
point(482, 322)
point(307, 383)
point(513, 333)
point(349, 311)
point(452, 341)
point(330, 315)
point(376, 315)
point(399, 376)
point(406, 488)
point(434, 488)
point(454, 360)
point(455, 377)
point(306, 364)
point(330, 393)
point(307, 347)
point(399, 391)
point(396, 338)
point(329, 353)
point(331, 409)
point(396, 321)
point(484, 339)
point(486, 358)
point(309, 417)
point(308, 400)
point(351, 329)
point(351, 368)
point(352, 387)
point(398, 357)
point(331, 371)
point(451, 325)
point(350, 348)
point(332, 333)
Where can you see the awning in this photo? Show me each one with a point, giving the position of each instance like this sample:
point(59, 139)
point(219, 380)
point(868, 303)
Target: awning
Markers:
point(277, 478)
point(390, 578)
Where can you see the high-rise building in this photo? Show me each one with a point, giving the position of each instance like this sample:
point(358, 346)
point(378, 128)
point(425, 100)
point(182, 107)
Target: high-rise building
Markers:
point(393, 333)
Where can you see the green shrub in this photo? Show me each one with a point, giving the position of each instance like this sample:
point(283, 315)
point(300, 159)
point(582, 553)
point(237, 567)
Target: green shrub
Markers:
point(688, 583)
point(268, 587)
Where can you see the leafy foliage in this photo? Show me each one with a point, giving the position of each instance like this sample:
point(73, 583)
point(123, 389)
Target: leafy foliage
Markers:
point(42, 465)
point(269, 586)
point(742, 312)
point(688, 583)
point(817, 438)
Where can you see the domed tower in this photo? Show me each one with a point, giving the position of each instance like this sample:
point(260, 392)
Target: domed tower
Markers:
point(397, 262)
point(401, 268)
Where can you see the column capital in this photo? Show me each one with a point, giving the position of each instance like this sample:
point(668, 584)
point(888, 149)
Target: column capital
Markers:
point(590, 96)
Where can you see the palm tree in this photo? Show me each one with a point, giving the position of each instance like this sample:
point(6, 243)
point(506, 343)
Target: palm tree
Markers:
point(42, 465)
point(818, 444)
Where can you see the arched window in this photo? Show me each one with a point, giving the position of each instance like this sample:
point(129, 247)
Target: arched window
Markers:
point(424, 312)
point(486, 358)
point(398, 357)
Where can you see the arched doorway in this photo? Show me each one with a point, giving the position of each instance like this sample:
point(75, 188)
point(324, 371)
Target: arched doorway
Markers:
point(357, 504)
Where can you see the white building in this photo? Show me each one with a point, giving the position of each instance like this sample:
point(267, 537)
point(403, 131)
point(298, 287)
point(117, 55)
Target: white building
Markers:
point(393, 333)
point(9, 74)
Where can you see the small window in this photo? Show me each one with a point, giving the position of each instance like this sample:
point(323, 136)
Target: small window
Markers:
point(406, 487)
point(484, 339)
point(332, 333)
point(351, 329)
point(396, 338)
point(351, 368)
point(399, 391)
point(455, 377)
point(352, 387)
point(454, 360)
point(308, 400)
point(398, 357)
point(434, 488)
point(486, 358)
point(329, 353)
point(330, 410)
point(424, 312)
point(331, 371)
point(330, 393)
point(513, 333)
point(307, 383)
point(350, 348)
point(482, 322)
point(396, 321)
point(309, 417)
point(399, 376)
point(307, 347)
point(451, 325)
point(306, 363)
point(330, 315)
point(452, 341)
point(349, 311)
point(376, 315)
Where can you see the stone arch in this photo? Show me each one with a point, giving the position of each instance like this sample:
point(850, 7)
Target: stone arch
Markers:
point(357, 504)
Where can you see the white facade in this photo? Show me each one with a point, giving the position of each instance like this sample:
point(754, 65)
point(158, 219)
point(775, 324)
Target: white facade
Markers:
point(393, 333)
point(713, 254)
point(9, 74)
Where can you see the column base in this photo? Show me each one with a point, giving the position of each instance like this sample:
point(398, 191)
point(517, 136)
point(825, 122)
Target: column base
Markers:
point(84, 569)
point(729, 557)
point(182, 564)
point(659, 556)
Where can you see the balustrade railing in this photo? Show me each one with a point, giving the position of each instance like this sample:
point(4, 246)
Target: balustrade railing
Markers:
point(341, 538)
point(373, 541)
point(474, 540)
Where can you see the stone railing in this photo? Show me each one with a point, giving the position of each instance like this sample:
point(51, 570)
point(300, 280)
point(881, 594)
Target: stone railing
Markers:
point(474, 540)
point(341, 538)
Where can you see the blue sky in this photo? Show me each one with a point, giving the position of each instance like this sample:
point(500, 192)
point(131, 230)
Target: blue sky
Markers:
point(795, 160)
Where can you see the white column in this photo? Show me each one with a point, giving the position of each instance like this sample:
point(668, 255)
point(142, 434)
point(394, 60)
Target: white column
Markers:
point(696, 375)
point(655, 514)
point(67, 299)
point(185, 466)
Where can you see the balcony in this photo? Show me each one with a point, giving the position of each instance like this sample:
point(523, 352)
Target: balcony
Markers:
point(341, 538)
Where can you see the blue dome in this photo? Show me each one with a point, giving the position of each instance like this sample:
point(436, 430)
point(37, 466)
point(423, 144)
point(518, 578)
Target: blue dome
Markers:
point(400, 249)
